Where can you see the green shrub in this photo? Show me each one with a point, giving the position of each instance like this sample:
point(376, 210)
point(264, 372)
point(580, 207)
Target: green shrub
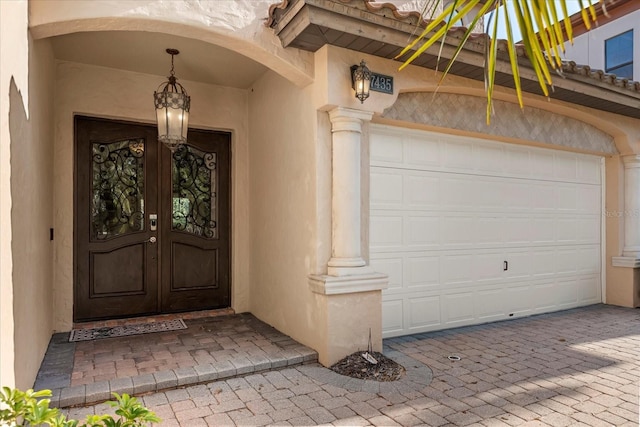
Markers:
point(31, 408)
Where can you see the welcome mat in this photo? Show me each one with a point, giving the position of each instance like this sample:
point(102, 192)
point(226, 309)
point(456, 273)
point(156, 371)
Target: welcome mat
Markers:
point(126, 330)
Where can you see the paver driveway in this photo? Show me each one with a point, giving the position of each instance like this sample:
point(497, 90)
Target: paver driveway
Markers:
point(577, 367)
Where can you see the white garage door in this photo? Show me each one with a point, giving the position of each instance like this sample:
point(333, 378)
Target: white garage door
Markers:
point(471, 231)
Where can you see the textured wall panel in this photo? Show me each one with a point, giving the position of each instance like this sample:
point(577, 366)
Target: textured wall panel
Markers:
point(467, 113)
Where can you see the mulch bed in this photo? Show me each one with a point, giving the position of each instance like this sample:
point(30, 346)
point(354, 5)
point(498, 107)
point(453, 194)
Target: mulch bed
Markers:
point(355, 366)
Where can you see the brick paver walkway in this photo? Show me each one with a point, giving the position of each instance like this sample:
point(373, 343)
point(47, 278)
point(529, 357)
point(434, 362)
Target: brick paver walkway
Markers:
point(578, 367)
point(211, 348)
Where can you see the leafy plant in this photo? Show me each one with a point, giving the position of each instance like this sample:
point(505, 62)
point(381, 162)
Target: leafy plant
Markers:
point(31, 408)
point(544, 32)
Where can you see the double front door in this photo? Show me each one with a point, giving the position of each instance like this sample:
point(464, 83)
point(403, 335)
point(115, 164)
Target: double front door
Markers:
point(152, 227)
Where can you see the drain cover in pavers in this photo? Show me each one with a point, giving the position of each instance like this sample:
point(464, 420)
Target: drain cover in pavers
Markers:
point(126, 330)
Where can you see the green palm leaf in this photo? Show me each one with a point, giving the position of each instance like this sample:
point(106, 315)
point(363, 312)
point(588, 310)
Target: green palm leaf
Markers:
point(543, 31)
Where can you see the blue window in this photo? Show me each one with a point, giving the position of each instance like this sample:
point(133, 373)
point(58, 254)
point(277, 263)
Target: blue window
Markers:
point(618, 54)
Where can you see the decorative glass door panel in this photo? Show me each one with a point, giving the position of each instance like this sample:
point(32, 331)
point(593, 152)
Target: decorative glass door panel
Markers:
point(194, 192)
point(117, 202)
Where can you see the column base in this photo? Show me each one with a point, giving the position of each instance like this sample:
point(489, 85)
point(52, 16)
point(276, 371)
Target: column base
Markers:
point(347, 284)
point(625, 261)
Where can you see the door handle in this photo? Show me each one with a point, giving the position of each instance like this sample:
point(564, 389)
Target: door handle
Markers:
point(152, 239)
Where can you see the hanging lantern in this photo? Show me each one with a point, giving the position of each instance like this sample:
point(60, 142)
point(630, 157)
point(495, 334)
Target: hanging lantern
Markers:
point(172, 110)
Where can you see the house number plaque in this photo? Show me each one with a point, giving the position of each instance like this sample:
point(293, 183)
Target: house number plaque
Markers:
point(381, 83)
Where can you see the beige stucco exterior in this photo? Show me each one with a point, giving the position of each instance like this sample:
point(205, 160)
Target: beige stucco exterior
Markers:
point(283, 175)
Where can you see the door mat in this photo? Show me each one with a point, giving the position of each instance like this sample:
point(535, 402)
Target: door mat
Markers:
point(126, 330)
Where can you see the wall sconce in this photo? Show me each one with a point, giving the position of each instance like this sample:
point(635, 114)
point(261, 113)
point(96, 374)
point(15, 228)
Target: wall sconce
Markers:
point(360, 80)
point(172, 110)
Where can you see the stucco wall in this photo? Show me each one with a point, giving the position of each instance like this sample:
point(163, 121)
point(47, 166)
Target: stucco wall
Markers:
point(106, 92)
point(31, 170)
point(283, 130)
point(14, 89)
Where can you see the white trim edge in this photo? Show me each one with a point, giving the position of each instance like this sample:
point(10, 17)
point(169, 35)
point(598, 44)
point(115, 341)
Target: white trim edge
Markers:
point(333, 285)
point(625, 261)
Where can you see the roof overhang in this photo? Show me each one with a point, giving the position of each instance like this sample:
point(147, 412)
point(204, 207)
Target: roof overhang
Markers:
point(380, 29)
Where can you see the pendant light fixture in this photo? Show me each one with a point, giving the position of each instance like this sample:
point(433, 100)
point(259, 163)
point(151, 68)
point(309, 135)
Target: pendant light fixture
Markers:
point(172, 110)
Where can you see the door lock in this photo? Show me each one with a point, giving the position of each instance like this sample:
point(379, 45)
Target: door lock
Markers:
point(153, 222)
point(152, 239)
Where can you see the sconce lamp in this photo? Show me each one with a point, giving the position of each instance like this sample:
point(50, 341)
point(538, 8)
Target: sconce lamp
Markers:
point(172, 110)
point(360, 80)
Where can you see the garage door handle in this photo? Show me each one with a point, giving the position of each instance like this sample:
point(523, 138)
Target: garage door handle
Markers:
point(506, 266)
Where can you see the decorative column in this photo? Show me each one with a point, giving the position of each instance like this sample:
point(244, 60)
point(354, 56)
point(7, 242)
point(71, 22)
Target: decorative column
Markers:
point(347, 271)
point(346, 128)
point(631, 206)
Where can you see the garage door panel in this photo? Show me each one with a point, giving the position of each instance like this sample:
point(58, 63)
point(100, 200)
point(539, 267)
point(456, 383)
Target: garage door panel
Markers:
point(542, 197)
point(589, 260)
point(543, 297)
point(458, 309)
point(589, 290)
point(543, 230)
point(385, 231)
point(386, 148)
point(457, 193)
point(588, 199)
point(565, 167)
point(487, 267)
point(589, 170)
point(567, 293)
point(517, 230)
point(518, 300)
point(519, 264)
point(566, 197)
point(423, 272)
point(489, 230)
point(423, 192)
point(490, 304)
point(423, 231)
point(488, 157)
point(423, 312)
point(386, 190)
point(455, 269)
point(588, 230)
point(451, 210)
point(566, 230)
point(392, 317)
point(542, 164)
point(566, 261)
point(518, 161)
point(458, 156)
point(458, 230)
point(421, 154)
point(518, 194)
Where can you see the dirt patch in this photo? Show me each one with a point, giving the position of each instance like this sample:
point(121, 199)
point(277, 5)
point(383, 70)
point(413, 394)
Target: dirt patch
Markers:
point(356, 366)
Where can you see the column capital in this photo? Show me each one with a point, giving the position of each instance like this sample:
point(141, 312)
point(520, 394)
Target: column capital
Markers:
point(347, 119)
point(631, 161)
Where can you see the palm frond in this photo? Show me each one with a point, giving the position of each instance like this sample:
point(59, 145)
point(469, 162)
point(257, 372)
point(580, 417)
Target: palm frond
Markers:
point(543, 31)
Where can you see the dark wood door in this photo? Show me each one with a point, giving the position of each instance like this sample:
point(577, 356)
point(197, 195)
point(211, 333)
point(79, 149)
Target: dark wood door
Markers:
point(195, 235)
point(127, 263)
